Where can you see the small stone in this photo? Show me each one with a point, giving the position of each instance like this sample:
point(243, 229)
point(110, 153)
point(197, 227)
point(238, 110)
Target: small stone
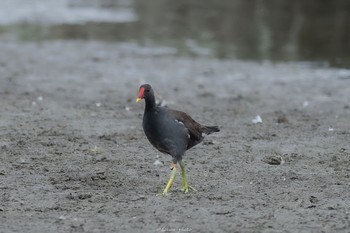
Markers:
point(273, 160)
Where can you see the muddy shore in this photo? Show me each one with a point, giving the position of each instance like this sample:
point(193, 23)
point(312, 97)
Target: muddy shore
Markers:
point(74, 157)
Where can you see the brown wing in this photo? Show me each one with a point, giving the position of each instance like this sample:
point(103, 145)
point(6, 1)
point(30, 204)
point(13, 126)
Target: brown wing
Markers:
point(194, 128)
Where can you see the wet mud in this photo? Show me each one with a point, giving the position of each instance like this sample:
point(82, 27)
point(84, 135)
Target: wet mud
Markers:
point(74, 157)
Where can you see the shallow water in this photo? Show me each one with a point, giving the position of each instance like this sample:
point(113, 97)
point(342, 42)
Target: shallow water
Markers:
point(258, 30)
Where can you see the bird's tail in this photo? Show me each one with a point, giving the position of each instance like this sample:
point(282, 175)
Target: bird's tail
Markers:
point(210, 129)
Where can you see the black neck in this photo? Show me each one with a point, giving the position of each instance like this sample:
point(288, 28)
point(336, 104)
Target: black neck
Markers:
point(150, 102)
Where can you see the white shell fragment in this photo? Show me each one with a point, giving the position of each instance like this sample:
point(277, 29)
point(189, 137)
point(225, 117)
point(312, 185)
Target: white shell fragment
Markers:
point(257, 120)
point(157, 162)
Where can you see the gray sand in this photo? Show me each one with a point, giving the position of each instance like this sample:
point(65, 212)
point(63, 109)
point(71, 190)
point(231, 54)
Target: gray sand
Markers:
point(74, 157)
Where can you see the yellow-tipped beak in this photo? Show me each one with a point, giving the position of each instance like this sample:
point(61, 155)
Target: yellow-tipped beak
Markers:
point(138, 100)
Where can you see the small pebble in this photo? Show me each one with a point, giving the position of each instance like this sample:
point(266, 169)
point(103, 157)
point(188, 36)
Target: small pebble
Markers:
point(273, 160)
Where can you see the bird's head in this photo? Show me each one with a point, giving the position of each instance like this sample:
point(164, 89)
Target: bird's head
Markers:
point(145, 92)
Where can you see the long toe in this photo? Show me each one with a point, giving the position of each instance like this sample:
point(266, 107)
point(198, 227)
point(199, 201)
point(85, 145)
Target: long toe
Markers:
point(164, 194)
point(186, 188)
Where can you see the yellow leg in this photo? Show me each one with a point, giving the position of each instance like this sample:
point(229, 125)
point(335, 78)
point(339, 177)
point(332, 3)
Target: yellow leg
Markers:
point(184, 185)
point(171, 180)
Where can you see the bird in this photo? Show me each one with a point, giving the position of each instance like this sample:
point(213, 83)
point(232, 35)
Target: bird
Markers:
point(171, 132)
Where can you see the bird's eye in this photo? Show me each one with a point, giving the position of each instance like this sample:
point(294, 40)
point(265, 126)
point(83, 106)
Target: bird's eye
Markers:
point(146, 90)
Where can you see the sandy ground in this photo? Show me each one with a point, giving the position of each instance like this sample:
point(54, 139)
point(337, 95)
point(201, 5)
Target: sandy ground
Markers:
point(74, 157)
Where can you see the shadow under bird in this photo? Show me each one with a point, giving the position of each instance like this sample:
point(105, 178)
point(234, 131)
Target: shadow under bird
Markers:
point(171, 132)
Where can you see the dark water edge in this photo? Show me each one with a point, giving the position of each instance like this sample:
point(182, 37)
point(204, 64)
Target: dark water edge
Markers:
point(272, 30)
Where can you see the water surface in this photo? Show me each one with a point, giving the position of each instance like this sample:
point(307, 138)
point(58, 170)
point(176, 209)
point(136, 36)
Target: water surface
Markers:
point(276, 30)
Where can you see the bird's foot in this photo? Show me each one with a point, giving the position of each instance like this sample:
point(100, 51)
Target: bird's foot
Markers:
point(164, 194)
point(186, 188)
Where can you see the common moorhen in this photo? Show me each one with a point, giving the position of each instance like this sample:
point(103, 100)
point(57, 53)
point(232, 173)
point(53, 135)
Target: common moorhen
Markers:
point(171, 132)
